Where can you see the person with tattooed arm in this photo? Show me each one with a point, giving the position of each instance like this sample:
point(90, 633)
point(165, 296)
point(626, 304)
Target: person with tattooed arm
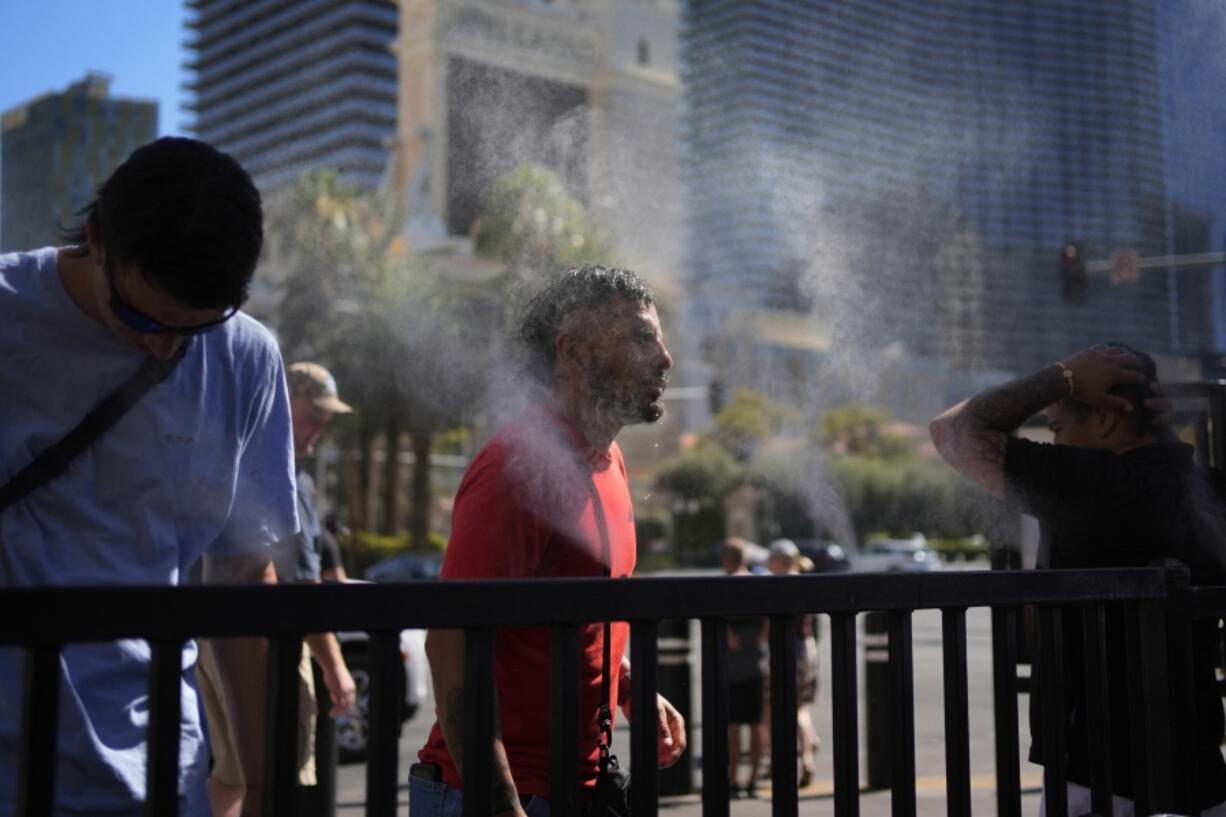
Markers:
point(1116, 489)
point(548, 496)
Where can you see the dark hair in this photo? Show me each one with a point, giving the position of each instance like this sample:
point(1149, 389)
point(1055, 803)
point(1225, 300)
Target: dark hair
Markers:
point(1145, 422)
point(576, 290)
point(187, 215)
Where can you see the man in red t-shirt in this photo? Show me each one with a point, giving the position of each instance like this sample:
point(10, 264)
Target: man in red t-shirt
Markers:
point(526, 508)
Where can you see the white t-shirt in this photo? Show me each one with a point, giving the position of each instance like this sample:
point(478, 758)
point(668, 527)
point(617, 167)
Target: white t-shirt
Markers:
point(202, 463)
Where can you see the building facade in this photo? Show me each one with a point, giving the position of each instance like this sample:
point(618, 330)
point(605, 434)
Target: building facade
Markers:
point(54, 152)
point(588, 89)
point(908, 172)
point(287, 87)
point(1193, 39)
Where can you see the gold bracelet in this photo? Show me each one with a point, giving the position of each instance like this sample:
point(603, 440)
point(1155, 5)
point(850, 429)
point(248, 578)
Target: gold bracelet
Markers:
point(1067, 373)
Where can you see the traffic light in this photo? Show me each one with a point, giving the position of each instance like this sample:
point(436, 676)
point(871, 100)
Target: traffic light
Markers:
point(1073, 283)
point(715, 396)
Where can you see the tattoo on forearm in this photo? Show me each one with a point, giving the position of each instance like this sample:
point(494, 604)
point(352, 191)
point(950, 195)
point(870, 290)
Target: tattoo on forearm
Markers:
point(453, 726)
point(990, 447)
point(504, 793)
point(505, 797)
point(1004, 408)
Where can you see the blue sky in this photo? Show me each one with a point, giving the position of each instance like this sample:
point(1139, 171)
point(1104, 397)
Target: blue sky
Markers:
point(49, 44)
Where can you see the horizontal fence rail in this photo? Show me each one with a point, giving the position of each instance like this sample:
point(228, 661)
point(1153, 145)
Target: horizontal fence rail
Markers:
point(42, 620)
point(31, 616)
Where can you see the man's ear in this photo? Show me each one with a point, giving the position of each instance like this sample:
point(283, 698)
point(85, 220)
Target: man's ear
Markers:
point(571, 354)
point(1106, 422)
point(93, 241)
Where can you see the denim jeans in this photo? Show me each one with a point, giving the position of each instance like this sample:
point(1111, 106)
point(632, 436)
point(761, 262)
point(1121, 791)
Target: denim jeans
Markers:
point(436, 799)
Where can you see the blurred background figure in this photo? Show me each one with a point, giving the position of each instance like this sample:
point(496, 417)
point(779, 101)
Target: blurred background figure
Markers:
point(785, 559)
point(746, 677)
point(314, 403)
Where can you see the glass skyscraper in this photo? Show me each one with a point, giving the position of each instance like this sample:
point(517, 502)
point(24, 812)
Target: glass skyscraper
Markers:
point(909, 171)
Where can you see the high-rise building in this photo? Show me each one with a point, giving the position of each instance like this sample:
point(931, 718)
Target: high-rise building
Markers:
point(1193, 41)
point(55, 151)
point(588, 89)
point(909, 171)
point(287, 87)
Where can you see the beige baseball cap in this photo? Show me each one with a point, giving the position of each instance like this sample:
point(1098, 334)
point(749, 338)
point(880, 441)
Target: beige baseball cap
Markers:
point(315, 383)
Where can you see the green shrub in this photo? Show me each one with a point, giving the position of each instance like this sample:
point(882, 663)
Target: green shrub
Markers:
point(698, 481)
point(967, 548)
point(909, 495)
point(704, 473)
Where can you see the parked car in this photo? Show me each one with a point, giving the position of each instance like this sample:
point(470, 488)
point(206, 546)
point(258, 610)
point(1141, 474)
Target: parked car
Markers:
point(827, 556)
point(353, 728)
point(404, 567)
point(896, 556)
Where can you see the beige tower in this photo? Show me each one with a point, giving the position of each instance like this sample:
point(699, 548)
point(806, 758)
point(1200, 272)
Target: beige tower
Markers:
point(589, 89)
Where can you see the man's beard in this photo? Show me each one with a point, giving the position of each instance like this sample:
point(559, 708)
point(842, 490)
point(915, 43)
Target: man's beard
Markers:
point(628, 406)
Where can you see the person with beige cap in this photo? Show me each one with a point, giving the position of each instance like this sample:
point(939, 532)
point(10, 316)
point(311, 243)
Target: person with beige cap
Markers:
point(314, 402)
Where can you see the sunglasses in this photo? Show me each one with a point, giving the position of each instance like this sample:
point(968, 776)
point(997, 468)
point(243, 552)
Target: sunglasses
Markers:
point(138, 321)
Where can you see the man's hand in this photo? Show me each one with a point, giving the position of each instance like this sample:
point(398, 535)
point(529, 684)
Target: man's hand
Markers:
point(670, 731)
point(341, 689)
point(326, 650)
point(1101, 368)
point(671, 742)
point(1160, 404)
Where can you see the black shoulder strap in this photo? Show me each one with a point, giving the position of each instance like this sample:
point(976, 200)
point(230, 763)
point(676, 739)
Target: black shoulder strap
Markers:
point(53, 461)
point(606, 559)
point(605, 716)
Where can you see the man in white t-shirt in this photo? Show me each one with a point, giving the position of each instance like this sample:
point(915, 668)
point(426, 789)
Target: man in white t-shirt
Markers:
point(200, 465)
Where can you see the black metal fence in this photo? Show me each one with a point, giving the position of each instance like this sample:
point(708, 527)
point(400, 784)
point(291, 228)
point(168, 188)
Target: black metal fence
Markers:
point(1158, 602)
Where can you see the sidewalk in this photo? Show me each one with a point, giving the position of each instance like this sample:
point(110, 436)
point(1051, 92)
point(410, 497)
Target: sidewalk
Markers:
point(818, 799)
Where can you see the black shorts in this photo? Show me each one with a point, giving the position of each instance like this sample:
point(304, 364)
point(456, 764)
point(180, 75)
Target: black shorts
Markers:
point(745, 700)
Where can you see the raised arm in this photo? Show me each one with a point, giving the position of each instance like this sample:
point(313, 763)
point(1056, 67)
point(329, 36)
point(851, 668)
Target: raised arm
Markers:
point(971, 435)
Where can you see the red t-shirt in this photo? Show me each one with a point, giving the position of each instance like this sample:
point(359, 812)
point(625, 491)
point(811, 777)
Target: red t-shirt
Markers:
point(524, 509)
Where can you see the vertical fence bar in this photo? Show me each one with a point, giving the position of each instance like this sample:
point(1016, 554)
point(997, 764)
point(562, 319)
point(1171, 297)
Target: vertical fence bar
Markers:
point(902, 716)
point(1098, 709)
point(478, 770)
point(1004, 701)
point(644, 794)
point(564, 721)
point(957, 715)
point(845, 702)
point(1136, 705)
point(385, 670)
point(1054, 715)
point(281, 725)
point(715, 717)
point(644, 723)
point(1151, 737)
point(784, 798)
point(40, 717)
point(1180, 628)
point(165, 713)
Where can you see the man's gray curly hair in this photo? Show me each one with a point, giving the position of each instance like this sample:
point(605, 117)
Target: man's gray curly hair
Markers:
point(577, 290)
